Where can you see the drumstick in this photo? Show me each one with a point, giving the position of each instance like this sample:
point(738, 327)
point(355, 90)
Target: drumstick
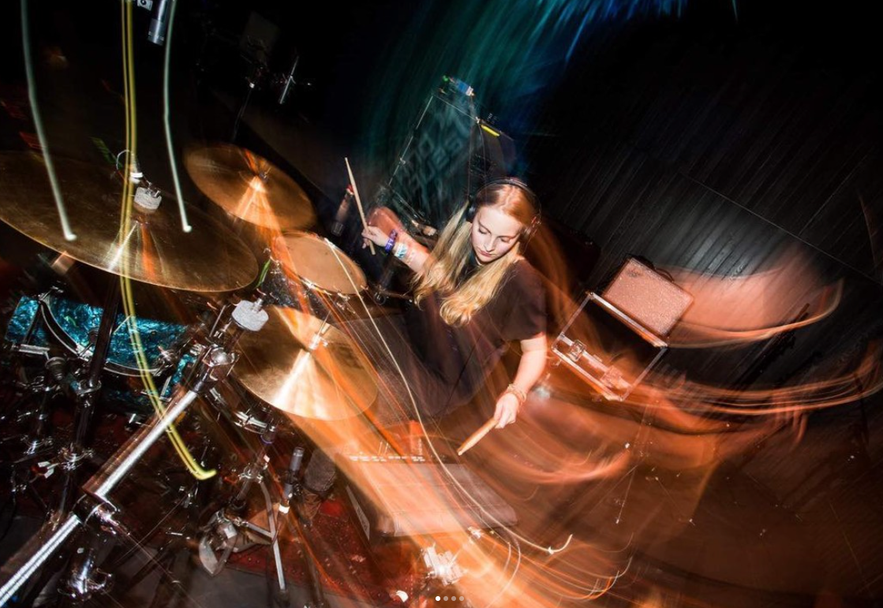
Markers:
point(477, 436)
point(358, 201)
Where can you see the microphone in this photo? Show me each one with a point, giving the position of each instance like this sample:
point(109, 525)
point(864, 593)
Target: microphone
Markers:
point(290, 478)
point(159, 24)
point(342, 211)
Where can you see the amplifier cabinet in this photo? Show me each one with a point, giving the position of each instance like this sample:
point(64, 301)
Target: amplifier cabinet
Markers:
point(647, 297)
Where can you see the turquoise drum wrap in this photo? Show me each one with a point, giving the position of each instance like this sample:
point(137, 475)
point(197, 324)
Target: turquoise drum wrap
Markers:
point(50, 321)
point(74, 325)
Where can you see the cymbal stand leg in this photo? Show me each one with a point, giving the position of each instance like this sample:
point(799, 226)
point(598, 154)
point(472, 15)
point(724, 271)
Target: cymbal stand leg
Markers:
point(273, 534)
point(291, 489)
point(86, 393)
point(54, 534)
point(303, 532)
point(214, 364)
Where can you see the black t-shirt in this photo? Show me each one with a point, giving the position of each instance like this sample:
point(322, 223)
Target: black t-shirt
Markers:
point(461, 357)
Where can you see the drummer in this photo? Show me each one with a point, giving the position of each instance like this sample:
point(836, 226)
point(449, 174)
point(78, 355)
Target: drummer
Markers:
point(474, 294)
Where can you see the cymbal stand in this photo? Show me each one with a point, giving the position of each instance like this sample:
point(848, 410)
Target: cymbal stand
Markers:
point(252, 80)
point(252, 473)
point(36, 442)
point(40, 387)
point(94, 513)
point(85, 394)
point(32, 402)
point(228, 525)
point(293, 490)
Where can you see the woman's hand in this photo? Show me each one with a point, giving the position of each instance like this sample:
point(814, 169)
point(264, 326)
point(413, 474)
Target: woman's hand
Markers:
point(507, 409)
point(530, 368)
point(375, 235)
point(385, 219)
point(381, 222)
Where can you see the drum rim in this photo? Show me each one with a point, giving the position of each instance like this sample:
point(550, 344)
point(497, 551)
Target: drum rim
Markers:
point(78, 350)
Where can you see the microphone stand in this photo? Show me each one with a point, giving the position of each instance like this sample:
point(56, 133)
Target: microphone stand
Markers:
point(252, 81)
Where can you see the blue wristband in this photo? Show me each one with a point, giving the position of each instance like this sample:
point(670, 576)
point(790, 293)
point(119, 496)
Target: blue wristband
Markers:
point(391, 241)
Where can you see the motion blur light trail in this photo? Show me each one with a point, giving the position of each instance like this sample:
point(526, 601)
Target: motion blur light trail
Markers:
point(735, 310)
point(38, 122)
point(167, 109)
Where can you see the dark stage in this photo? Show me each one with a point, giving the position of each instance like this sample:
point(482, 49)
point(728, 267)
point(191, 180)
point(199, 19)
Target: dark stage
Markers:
point(706, 432)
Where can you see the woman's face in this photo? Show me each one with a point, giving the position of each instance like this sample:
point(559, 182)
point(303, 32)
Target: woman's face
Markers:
point(494, 233)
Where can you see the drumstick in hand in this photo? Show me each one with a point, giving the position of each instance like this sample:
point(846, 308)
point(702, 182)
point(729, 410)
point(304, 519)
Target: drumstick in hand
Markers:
point(477, 436)
point(358, 201)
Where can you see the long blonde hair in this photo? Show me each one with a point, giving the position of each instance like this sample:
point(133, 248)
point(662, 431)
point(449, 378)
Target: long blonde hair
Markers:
point(454, 249)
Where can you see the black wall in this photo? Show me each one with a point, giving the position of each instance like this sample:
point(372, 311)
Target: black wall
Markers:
point(714, 142)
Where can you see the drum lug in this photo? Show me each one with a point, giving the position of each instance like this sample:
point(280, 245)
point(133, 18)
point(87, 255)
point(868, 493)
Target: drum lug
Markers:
point(83, 389)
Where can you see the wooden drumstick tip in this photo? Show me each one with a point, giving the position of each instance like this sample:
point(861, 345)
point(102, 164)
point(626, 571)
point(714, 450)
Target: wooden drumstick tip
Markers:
point(477, 436)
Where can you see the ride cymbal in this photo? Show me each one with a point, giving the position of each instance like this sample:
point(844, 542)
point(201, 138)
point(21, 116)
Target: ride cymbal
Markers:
point(150, 247)
point(249, 187)
point(305, 367)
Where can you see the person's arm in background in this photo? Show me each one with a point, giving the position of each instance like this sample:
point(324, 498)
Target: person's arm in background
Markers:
point(530, 369)
point(381, 222)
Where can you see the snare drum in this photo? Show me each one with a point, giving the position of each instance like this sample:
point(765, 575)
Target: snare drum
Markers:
point(312, 274)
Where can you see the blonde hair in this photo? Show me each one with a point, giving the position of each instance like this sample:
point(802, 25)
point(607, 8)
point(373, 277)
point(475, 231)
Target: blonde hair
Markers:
point(453, 251)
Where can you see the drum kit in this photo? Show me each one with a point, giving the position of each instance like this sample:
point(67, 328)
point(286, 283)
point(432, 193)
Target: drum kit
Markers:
point(266, 331)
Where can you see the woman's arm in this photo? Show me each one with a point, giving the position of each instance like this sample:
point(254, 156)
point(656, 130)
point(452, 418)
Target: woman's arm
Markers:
point(381, 222)
point(530, 369)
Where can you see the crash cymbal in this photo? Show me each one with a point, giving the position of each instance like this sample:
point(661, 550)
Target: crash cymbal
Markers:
point(249, 187)
point(154, 249)
point(318, 263)
point(289, 366)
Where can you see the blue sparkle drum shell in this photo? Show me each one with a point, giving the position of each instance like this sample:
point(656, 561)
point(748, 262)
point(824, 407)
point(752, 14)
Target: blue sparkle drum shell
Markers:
point(41, 327)
point(37, 322)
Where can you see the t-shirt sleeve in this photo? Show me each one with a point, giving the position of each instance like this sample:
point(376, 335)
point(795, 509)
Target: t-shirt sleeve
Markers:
point(527, 314)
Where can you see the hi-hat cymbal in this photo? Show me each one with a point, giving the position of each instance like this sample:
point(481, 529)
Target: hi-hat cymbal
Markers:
point(249, 187)
point(153, 249)
point(290, 366)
